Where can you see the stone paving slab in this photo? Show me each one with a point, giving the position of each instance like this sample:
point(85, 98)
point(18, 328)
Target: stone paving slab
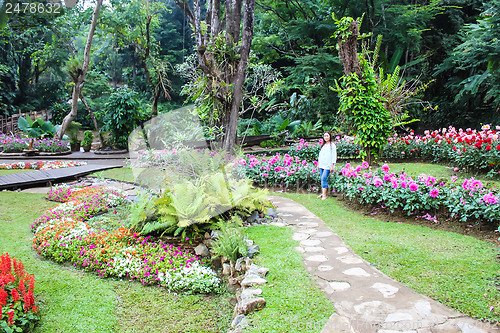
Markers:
point(365, 299)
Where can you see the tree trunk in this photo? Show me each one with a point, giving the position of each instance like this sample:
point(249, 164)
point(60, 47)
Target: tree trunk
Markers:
point(348, 51)
point(81, 74)
point(92, 117)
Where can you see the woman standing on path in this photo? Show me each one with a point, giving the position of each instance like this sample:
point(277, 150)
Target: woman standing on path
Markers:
point(326, 162)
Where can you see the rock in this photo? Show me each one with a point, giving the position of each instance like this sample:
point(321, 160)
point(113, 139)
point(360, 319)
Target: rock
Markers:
point(215, 234)
point(234, 281)
point(272, 213)
point(232, 289)
point(216, 263)
point(257, 270)
point(233, 301)
point(237, 320)
point(207, 235)
point(251, 279)
point(226, 269)
point(207, 242)
point(249, 242)
point(260, 220)
point(253, 217)
point(241, 265)
point(250, 293)
point(253, 250)
point(201, 250)
point(251, 304)
point(261, 215)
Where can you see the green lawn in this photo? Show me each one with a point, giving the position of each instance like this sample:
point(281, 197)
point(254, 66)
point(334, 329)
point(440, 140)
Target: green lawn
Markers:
point(455, 269)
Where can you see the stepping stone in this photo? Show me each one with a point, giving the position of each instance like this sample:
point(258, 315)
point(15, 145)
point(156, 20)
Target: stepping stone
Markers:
point(423, 307)
point(298, 236)
point(285, 215)
point(374, 311)
point(310, 242)
point(324, 268)
point(324, 234)
point(314, 248)
point(386, 289)
point(398, 316)
point(278, 224)
point(317, 258)
point(339, 285)
point(392, 331)
point(300, 249)
point(356, 271)
point(308, 224)
point(308, 231)
point(307, 217)
point(350, 260)
point(341, 250)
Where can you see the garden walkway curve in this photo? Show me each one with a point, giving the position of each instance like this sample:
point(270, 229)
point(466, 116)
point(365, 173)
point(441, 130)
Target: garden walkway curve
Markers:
point(365, 299)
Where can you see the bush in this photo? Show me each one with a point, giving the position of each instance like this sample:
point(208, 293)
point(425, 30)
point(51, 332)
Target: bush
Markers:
point(123, 113)
point(18, 312)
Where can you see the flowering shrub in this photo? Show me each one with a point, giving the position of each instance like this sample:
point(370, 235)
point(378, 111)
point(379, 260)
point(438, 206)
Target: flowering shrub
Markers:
point(278, 171)
point(467, 149)
point(41, 165)
point(467, 201)
point(18, 312)
point(16, 144)
point(346, 148)
point(62, 234)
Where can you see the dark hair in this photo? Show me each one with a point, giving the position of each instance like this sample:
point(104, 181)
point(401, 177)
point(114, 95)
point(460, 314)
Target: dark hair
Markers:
point(331, 138)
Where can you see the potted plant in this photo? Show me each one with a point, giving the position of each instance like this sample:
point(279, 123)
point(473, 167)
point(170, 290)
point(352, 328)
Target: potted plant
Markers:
point(88, 137)
point(73, 130)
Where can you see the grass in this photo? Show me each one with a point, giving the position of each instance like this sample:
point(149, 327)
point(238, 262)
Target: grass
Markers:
point(73, 301)
point(9, 172)
point(290, 293)
point(457, 270)
point(123, 174)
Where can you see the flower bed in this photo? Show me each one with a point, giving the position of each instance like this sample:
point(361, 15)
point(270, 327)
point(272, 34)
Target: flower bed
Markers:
point(467, 149)
point(18, 312)
point(278, 171)
point(466, 201)
point(40, 165)
point(16, 144)
point(63, 234)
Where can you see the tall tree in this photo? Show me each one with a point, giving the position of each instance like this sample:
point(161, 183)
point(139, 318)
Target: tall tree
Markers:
point(223, 49)
point(78, 73)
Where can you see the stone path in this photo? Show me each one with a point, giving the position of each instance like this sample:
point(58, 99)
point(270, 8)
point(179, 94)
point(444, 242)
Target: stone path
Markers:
point(365, 299)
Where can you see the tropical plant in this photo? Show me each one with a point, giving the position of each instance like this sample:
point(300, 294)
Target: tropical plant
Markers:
point(88, 137)
point(37, 128)
point(123, 113)
point(230, 243)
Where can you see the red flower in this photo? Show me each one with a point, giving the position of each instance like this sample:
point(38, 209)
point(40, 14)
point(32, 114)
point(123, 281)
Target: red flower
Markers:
point(406, 141)
point(488, 147)
point(454, 148)
point(10, 321)
point(478, 145)
point(498, 147)
point(3, 297)
point(15, 295)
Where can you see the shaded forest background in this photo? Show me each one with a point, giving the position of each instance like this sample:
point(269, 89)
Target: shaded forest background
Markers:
point(450, 46)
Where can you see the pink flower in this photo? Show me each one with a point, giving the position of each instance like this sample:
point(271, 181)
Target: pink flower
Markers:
point(377, 181)
point(365, 165)
point(413, 186)
point(490, 198)
point(434, 192)
point(264, 175)
point(385, 168)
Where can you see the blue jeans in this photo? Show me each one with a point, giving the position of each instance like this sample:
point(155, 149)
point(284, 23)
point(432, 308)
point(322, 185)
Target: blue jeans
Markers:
point(323, 173)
